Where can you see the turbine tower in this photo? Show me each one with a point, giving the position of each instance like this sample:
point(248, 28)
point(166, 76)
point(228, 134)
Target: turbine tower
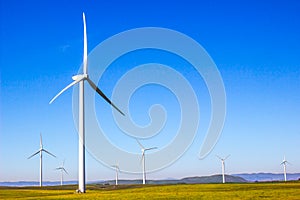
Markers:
point(284, 162)
point(223, 167)
point(117, 172)
point(143, 149)
point(80, 78)
point(40, 151)
point(62, 171)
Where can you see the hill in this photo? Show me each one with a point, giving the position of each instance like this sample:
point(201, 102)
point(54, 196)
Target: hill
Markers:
point(187, 180)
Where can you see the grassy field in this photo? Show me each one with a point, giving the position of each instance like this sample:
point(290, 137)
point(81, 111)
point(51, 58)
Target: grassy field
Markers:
point(290, 190)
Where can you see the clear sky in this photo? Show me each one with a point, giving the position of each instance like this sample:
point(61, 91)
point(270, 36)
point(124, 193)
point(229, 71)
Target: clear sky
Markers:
point(255, 45)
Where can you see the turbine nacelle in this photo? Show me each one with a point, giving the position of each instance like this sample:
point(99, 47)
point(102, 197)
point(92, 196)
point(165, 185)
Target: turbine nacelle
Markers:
point(116, 167)
point(222, 159)
point(80, 77)
point(284, 162)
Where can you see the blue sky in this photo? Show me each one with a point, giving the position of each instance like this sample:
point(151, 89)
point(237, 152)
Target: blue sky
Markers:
point(255, 45)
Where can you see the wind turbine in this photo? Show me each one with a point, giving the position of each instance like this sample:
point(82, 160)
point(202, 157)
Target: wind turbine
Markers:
point(284, 162)
point(143, 149)
point(117, 172)
point(40, 151)
point(62, 171)
point(80, 78)
point(223, 166)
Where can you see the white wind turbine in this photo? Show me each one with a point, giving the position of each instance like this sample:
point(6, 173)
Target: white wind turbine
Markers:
point(143, 149)
point(62, 171)
point(223, 166)
point(284, 162)
point(117, 172)
point(40, 151)
point(80, 78)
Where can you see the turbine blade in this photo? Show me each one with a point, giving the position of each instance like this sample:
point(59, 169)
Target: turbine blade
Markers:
point(34, 154)
point(226, 157)
point(84, 45)
point(142, 147)
point(103, 95)
point(219, 157)
point(70, 85)
point(49, 153)
point(41, 141)
point(150, 148)
point(65, 170)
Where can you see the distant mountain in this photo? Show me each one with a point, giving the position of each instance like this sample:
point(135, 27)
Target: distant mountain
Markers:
point(253, 177)
point(234, 178)
point(188, 180)
point(214, 179)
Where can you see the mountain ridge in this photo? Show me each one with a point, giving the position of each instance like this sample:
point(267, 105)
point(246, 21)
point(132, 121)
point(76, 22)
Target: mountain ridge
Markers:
point(216, 178)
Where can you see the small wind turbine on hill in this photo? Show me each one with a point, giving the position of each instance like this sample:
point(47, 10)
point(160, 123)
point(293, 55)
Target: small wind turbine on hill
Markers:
point(223, 166)
point(81, 78)
point(117, 172)
point(284, 162)
point(62, 171)
point(40, 151)
point(143, 149)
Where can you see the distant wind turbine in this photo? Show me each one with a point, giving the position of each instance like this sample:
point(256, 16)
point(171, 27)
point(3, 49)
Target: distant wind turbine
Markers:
point(284, 162)
point(80, 78)
point(40, 151)
point(62, 171)
point(117, 172)
point(223, 166)
point(143, 149)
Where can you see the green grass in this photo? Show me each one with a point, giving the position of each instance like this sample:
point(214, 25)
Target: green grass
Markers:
point(289, 190)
